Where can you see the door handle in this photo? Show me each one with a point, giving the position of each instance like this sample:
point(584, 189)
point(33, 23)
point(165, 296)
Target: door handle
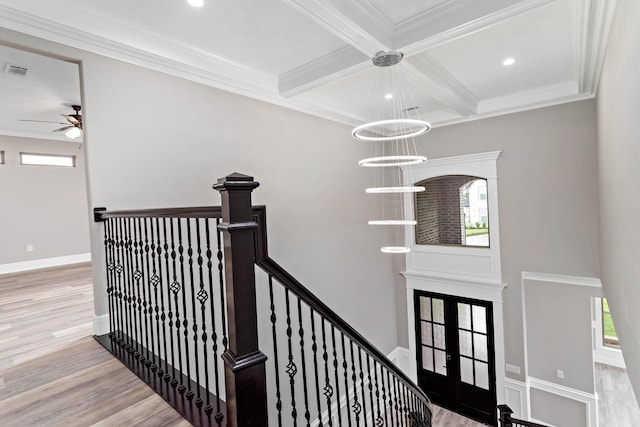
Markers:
point(448, 357)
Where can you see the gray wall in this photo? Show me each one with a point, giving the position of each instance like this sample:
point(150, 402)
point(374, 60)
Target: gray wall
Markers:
point(42, 206)
point(547, 180)
point(186, 135)
point(619, 156)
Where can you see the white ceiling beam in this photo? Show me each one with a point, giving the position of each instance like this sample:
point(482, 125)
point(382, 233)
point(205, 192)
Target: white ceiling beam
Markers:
point(439, 83)
point(328, 68)
point(456, 19)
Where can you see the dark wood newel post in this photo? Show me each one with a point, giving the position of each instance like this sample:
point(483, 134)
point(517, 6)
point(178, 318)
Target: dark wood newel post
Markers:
point(244, 362)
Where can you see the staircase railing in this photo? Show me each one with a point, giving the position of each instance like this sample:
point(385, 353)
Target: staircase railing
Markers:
point(507, 421)
point(187, 306)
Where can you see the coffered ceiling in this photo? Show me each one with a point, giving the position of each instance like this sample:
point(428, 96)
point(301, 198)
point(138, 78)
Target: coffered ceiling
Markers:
point(315, 55)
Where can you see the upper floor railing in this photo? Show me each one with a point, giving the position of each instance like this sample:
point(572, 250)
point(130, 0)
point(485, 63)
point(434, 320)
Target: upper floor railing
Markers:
point(227, 343)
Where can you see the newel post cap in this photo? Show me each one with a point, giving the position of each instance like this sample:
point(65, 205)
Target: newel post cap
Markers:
point(235, 181)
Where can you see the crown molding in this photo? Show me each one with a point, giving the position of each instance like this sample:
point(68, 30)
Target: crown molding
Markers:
point(593, 21)
point(591, 282)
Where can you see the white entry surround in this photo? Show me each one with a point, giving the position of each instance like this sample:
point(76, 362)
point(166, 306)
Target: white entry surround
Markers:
point(470, 272)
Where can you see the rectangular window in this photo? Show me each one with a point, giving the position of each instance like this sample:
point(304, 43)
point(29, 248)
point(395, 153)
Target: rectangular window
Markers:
point(47, 160)
point(609, 334)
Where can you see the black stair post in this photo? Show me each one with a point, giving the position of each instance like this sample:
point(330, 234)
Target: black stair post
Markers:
point(244, 362)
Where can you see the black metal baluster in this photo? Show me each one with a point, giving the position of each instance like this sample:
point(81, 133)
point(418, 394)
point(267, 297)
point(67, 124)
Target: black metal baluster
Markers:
point(222, 293)
point(392, 411)
point(357, 407)
point(137, 275)
point(291, 366)
point(307, 414)
point(327, 390)
point(405, 403)
point(121, 295)
point(214, 334)
point(132, 290)
point(156, 250)
point(202, 297)
point(362, 388)
point(379, 420)
point(373, 415)
point(384, 396)
point(275, 351)
point(146, 300)
point(314, 349)
point(110, 266)
point(185, 323)
point(397, 402)
point(190, 393)
point(345, 369)
point(164, 315)
point(129, 288)
point(336, 368)
point(174, 288)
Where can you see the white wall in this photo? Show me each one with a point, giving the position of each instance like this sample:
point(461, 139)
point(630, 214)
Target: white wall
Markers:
point(184, 136)
point(547, 176)
point(619, 160)
point(42, 206)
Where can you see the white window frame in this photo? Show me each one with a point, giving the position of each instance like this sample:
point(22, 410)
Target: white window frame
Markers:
point(50, 156)
point(603, 353)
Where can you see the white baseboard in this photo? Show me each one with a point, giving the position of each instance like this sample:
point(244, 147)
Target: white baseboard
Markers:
point(590, 400)
point(101, 324)
point(400, 356)
point(44, 263)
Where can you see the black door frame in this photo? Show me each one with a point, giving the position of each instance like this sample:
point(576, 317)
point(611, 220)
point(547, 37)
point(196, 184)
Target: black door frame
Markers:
point(449, 390)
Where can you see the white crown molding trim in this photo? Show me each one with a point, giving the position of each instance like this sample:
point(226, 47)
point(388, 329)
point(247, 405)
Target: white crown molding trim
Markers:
point(101, 324)
point(589, 399)
point(528, 98)
point(453, 20)
point(591, 282)
point(333, 66)
point(44, 263)
point(593, 20)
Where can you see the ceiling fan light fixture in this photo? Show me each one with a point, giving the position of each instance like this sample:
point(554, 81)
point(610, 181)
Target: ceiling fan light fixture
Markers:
point(508, 62)
point(73, 132)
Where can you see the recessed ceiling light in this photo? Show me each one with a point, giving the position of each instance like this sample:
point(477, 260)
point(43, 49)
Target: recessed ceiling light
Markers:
point(509, 61)
point(388, 96)
point(195, 3)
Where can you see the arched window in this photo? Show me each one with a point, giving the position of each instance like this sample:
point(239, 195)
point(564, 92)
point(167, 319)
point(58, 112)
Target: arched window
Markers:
point(453, 210)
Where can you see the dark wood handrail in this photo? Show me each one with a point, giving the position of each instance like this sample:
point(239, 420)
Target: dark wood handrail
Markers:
point(274, 269)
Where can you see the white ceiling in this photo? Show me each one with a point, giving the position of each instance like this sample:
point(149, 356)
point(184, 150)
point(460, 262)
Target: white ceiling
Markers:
point(315, 55)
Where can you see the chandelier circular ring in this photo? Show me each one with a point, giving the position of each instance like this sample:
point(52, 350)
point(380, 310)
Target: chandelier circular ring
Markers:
point(393, 222)
point(404, 189)
point(386, 161)
point(395, 249)
point(423, 127)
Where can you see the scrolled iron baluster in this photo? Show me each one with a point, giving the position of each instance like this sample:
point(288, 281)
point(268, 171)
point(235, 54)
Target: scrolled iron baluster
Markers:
point(194, 327)
point(273, 319)
point(345, 369)
point(174, 287)
point(356, 407)
point(314, 349)
point(327, 390)
point(379, 420)
point(185, 323)
point(202, 297)
point(110, 266)
point(156, 250)
point(362, 387)
point(214, 334)
point(291, 366)
point(336, 369)
point(307, 414)
point(138, 276)
point(146, 299)
point(373, 416)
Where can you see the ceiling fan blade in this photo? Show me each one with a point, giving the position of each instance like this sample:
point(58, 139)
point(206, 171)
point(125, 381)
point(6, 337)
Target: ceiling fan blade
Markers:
point(73, 120)
point(62, 129)
point(41, 121)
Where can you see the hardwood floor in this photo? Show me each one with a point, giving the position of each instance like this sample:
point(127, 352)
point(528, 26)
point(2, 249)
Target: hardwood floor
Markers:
point(53, 373)
point(617, 404)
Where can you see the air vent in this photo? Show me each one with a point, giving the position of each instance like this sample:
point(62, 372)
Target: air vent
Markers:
point(414, 108)
point(15, 70)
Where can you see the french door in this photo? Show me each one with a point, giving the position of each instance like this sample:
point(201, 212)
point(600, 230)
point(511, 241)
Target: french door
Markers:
point(455, 354)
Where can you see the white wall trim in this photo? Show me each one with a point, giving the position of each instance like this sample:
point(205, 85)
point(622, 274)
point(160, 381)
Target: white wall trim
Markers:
point(561, 278)
point(400, 356)
point(589, 399)
point(101, 324)
point(44, 263)
point(516, 397)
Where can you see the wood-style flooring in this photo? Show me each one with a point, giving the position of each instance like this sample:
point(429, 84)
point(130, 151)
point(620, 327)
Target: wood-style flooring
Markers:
point(617, 404)
point(52, 372)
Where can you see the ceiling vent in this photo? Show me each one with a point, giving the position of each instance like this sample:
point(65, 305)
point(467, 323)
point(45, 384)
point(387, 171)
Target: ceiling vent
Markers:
point(15, 70)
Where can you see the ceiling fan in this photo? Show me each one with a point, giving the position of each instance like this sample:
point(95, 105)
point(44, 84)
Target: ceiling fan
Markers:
point(73, 128)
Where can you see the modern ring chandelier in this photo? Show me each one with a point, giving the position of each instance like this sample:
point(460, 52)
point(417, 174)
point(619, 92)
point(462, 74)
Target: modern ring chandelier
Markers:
point(392, 134)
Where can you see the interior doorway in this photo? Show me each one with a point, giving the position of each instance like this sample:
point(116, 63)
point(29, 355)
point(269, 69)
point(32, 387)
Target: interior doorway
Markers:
point(455, 353)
